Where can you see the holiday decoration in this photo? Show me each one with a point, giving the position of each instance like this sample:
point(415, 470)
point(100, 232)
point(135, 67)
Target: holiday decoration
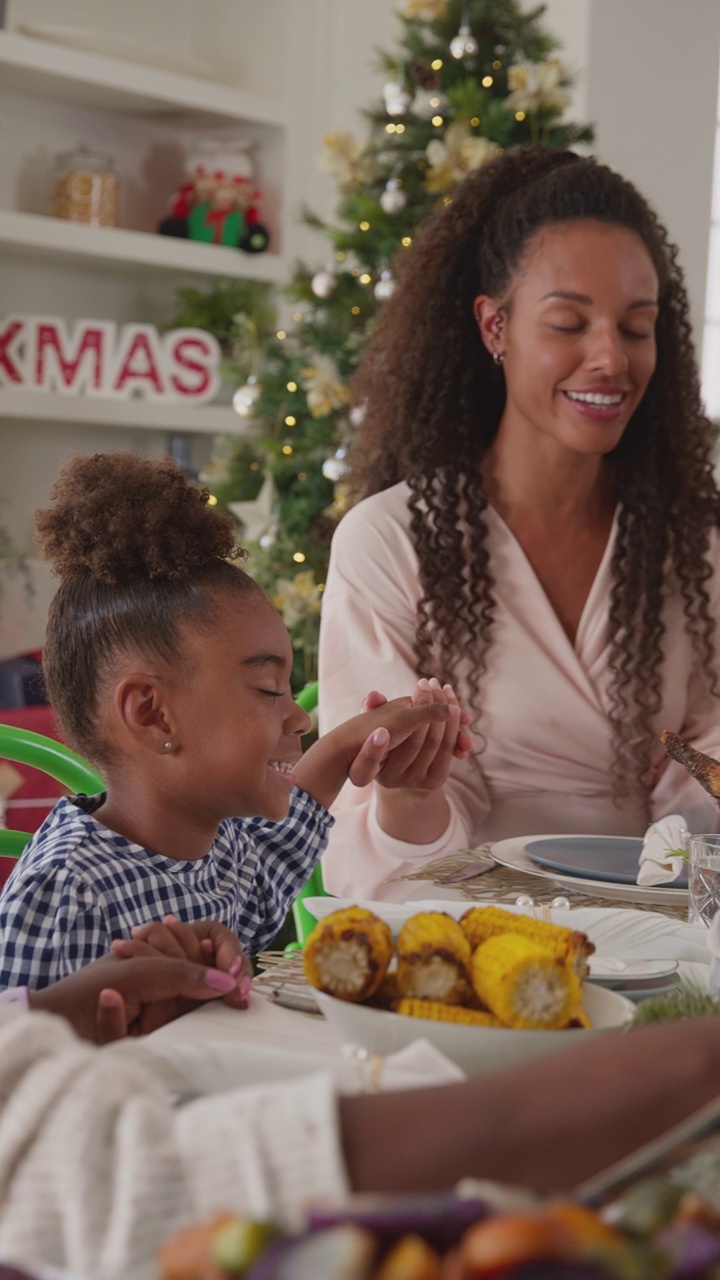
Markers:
point(438, 116)
point(256, 516)
point(219, 202)
point(246, 398)
point(100, 358)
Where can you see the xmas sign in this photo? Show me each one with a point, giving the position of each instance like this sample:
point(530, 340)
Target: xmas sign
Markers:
point(100, 358)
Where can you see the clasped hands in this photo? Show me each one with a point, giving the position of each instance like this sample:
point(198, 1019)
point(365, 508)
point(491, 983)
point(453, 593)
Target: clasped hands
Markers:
point(409, 750)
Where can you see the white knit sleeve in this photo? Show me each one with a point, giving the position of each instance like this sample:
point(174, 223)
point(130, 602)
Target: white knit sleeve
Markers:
point(98, 1166)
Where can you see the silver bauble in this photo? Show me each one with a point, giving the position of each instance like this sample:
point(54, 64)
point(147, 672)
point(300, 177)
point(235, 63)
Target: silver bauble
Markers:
point(335, 468)
point(357, 414)
point(385, 286)
point(246, 397)
point(393, 199)
point(323, 284)
point(397, 98)
point(464, 44)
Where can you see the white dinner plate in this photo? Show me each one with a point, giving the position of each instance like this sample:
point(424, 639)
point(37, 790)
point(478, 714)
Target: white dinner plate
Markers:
point(511, 853)
point(615, 971)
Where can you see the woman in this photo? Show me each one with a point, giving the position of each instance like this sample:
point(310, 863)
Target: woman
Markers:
point(539, 526)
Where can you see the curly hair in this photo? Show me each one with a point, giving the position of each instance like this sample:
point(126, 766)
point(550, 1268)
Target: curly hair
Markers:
point(141, 557)
point(433, 403)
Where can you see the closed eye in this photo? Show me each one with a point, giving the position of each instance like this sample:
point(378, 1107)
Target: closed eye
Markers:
point(271, 693)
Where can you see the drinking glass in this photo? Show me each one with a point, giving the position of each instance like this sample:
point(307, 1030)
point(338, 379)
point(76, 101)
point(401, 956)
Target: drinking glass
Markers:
point(704, 879)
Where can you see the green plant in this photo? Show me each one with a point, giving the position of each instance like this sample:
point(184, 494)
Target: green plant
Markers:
point(239, 313)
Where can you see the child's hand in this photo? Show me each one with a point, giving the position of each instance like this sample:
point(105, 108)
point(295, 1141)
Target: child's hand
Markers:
point(112, 998)
point(406, 750)
point(359, 748)
point(422, 761)
point(204, 942)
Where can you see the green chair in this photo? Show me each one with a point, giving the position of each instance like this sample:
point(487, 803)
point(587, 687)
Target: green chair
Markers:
point(307, 698)
point(51, 757)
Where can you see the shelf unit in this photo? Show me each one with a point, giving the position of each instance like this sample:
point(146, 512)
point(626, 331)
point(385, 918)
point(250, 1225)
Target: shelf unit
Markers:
point(144, 110)
point(115, 249)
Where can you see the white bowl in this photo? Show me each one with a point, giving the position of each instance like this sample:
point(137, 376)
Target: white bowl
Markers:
point(474, 1049)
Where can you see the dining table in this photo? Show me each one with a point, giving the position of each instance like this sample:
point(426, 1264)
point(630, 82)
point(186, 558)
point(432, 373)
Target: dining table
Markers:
point(283, 1021)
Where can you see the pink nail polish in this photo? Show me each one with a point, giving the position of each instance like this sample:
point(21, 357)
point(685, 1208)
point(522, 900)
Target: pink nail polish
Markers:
point(380, 738)
point(245, 986)
point(218, 981)
point(236, 966)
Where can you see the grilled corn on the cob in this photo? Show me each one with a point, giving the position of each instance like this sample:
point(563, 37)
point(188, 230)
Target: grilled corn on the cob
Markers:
point(437, 1011)
point(347, 954)
point(702, 767)
point(481, 923)
point(524, 984)
point(433, 959)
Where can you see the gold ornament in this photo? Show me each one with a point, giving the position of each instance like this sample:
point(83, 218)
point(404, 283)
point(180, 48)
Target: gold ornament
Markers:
point(346, 160)
point(456, 155)
point(324, 387)
point(425, 10)
point(535, 85)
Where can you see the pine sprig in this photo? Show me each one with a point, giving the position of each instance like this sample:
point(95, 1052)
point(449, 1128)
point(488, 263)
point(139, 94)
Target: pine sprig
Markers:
point(686, 1001)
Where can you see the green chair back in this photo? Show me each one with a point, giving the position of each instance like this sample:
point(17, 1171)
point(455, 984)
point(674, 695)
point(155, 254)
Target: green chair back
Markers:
point(307, 698)
point(51, 757)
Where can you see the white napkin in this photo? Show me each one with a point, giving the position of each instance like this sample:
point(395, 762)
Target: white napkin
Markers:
point(656, 866)
point(416, 1066)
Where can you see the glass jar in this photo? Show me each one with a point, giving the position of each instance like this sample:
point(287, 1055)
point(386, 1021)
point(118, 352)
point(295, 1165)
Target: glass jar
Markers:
point(85, 188)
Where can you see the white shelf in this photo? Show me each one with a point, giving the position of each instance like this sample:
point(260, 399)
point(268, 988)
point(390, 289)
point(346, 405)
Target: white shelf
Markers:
point(136, 413)
point(103, 83)
point(111, 247)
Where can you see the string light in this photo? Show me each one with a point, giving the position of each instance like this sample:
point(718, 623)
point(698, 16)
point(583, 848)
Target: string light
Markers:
point(254, 466)
point(365, 278)
point(364, 226)
point(291, 386)
point(280, 335)
point(212, 500)
point(354, 311)
point(436, 64)
point(297, 316)
point(496, 64)
point(355, 272)
point(437, 121)
point(399, 128)
point(487, 81)
point(287, 450)
point(389, 128)
point(290, 421)
point(406, 242)
point(519, 115)
point(475, 122)
point(302, 475)
point(340, 255)
point(299, 557)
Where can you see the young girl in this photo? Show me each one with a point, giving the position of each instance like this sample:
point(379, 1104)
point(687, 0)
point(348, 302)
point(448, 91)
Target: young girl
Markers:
point(168, 669)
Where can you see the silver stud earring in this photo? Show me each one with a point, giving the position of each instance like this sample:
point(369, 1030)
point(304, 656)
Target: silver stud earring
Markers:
point(498, 359)
point(168, 746)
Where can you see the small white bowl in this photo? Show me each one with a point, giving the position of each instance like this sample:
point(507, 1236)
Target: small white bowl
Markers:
point(474, 1049)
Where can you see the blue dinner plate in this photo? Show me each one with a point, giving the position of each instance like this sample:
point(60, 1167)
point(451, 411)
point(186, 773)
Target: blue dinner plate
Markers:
point(614, 859)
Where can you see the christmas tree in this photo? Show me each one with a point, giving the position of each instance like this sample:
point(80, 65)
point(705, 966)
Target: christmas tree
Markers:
point(468, 79)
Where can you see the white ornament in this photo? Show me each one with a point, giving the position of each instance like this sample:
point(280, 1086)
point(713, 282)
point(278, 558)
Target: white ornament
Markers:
point(335, 468)
point(428, 103)
point(246, 397)
point(385, 286)
point(393, 198)
point(464, 44)
point(357, 414)
point(324, 284)
point(397, 98)
point(256, 517)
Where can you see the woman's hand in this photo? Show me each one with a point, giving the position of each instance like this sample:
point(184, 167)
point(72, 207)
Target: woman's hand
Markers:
point(422, 761)
point(359, 748)
point(115, 997)
point(203, 941)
